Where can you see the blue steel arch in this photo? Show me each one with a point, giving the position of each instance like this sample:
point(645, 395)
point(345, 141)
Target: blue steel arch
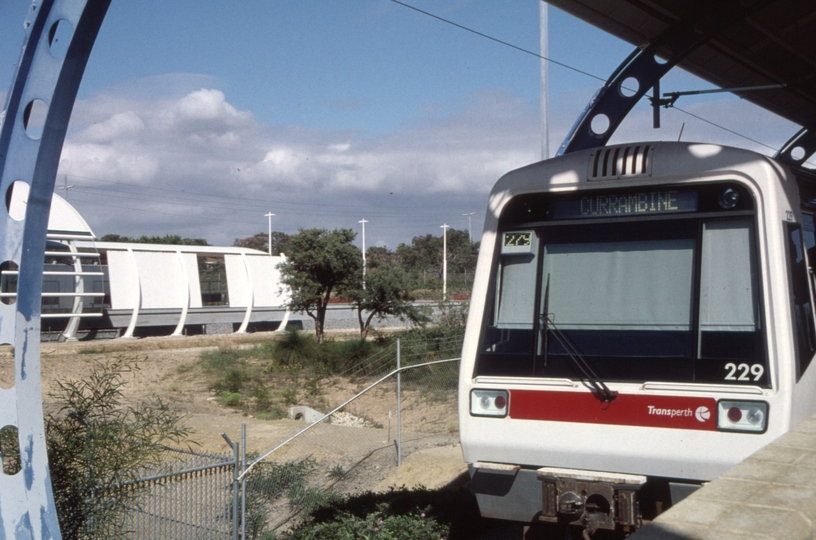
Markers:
point(643, 69)
point(798, 148)
point(48, 74)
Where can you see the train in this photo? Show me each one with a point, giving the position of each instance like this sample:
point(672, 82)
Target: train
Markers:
point(642, 320)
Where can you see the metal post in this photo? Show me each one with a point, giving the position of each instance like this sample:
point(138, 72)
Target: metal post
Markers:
point(444, 261)
point(364, 221)
point(544, 51)
point(269, 215)
point(236, 464)
point(399, 407)
point(470, 230)
point(243, 482)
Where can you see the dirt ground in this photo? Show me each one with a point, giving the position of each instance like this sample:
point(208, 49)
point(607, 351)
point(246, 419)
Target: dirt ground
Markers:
point(165, 367)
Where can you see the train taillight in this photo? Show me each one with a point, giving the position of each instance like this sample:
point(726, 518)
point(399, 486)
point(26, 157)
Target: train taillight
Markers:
point(742, 416)
point(488, 403)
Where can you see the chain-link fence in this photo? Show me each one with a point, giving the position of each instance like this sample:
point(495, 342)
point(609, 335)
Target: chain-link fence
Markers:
point(408, 402)
point(404, 400)
point(188, 496)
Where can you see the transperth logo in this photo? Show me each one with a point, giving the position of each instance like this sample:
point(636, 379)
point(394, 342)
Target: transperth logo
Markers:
point(702, 414)
point(671, 413)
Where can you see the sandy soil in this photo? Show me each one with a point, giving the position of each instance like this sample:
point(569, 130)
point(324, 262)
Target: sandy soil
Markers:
point(166, 367)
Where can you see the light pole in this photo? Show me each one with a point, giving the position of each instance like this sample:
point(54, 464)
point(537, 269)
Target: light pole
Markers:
point(66, 186)
point(364, 221)
point(444, 228)
point(470, 233)
point(269, 215)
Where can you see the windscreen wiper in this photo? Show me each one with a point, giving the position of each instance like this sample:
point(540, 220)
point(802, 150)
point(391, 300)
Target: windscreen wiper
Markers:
point(602, 391)
point(546, 320)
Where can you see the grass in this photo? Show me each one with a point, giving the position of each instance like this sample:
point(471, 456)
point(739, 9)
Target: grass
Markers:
point(268, 378)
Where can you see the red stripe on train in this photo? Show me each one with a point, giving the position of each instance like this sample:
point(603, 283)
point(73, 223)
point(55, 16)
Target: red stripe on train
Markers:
point(625, 410)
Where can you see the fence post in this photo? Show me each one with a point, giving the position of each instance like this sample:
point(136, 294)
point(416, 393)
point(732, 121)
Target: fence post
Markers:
point(243, 482)
point(235, 465)
point(399, 407)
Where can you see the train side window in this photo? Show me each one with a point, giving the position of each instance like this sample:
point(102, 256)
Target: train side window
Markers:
point(728, 292)
point(801, 301)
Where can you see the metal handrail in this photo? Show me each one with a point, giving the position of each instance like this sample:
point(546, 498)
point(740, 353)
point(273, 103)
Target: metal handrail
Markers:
point(359, 394)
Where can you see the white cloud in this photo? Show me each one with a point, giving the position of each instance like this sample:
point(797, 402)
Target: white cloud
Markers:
point(200, 143)
point(120, 125)
point(207, 169)
point(204, 112)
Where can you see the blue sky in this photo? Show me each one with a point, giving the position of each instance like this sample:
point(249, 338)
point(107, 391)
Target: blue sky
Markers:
point(197, 118)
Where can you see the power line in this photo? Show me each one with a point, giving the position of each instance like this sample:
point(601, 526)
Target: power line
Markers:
point(319, 209)
point(210, 217)
point(505, 43)
point(567, 66)
point(250, 199)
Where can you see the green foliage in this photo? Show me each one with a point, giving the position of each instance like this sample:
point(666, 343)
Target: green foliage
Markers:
point(270, 482)
point(295, 348)
point(171, 239)
point(448, 513)
point(260, 241)
point(423, 259)
point(386, 294)
point(378, 525)
point(232, 399)
point(96, 445)
point(319, 263)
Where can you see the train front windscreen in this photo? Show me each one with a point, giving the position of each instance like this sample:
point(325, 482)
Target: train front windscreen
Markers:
point(642, 285)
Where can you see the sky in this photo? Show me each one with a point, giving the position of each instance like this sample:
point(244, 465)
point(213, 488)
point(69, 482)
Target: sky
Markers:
point(198, 118)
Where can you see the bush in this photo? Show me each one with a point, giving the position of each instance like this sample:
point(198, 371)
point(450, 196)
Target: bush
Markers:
point(378, 525)
point(294, 349)
point(96, 445)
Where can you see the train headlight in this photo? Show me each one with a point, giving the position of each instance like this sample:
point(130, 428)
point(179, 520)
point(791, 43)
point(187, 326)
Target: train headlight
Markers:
point(729, 198)
point(744, 416)
point(488, 403)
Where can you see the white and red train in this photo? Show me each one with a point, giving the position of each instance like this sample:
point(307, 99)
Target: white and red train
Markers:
point(642, 320)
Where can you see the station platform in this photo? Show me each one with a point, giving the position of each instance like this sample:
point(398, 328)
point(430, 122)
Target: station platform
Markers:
point(771, 495)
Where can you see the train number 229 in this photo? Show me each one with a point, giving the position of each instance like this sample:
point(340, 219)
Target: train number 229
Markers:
point(742, 372)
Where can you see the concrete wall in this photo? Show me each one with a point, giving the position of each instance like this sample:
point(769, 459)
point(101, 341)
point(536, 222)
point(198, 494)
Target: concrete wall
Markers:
point(770, 495)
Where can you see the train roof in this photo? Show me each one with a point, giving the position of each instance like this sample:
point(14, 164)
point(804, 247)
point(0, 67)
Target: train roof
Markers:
point(767, 42)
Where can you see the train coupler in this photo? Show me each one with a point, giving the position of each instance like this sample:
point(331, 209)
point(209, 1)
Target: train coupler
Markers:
point(590, 499)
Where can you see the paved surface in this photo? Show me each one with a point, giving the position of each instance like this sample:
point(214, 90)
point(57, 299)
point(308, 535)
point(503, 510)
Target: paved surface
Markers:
point(771, 495)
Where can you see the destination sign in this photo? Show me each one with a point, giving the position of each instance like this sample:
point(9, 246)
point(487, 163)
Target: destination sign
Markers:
point(659, 201)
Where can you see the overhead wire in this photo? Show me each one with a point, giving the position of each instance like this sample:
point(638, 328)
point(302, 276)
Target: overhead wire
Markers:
point(567, 66)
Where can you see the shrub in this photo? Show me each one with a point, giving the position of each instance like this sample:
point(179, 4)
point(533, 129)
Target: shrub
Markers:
point(295, 348)
point(378, 525)
point(96, 445)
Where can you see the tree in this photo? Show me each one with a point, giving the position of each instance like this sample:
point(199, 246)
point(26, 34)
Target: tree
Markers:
point(320, 263)
point(386, 294)
point(424, 254)
point(170, 239)
point(260, 241)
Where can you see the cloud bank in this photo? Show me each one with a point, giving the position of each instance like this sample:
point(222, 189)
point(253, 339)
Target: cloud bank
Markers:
point(192, 163)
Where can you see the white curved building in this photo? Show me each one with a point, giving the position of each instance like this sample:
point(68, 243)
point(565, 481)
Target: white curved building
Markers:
point(149, 289)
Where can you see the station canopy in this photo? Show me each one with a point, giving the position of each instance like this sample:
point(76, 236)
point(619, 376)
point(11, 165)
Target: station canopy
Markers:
point(746, 43)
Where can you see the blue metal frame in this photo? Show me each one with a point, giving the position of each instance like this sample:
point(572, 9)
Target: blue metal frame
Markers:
point(803, 145)
point(644, 68)
point(49, 75)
